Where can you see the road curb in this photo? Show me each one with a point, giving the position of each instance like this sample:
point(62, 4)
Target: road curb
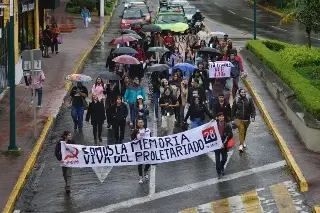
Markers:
point(316, 209)
point(9, 207)
point(266, 9)
point(302, 182)
point(85, 55)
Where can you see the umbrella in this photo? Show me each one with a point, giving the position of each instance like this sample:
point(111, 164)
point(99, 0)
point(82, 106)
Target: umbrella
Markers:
point(179, 27)
point(111, 76)
point(124, 50)
point(210, 50)
point(137, 24)
point(217, 34)
point(122, 39)
point(126, 59)
point(157, 68)
point(186, 68)
point(158, 49)
point(136, 36)
point(151, 28)
point(127, 31)
point(78, 78)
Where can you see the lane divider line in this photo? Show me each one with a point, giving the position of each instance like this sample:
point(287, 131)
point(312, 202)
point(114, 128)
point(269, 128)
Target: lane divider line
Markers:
point(278, 28)
point(231, 12)
point(302, 182)
point(152, 176)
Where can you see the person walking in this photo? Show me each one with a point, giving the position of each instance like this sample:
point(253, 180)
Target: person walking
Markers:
point(222, 106)
point(112, 92)
point(119, 113)
point(97, 115)
point(37, 83)
point(168, 103)
point(47, 41)
point(197, 112)
point(156, 84)
point(85, 13)
point(55, 34)
point(195, 90)
point(98, 88)
point(184, 96)
point(141, 111)
point(78, 94)
point(66, 171)
point(130, 97)
point(140, 133)
point(243, 110)
point(226, 135)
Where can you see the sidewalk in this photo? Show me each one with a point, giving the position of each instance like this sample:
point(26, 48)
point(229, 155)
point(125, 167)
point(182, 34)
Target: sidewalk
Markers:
point(56, 68)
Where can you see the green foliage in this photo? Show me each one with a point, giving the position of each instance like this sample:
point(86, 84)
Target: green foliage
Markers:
point(274, 45)
point(300, 56)
point(89, 4)
point(312, 73)
point(307, 93)
point(73, 10)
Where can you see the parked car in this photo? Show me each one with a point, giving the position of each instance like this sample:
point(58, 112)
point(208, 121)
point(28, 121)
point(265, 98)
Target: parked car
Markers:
point(131, 16)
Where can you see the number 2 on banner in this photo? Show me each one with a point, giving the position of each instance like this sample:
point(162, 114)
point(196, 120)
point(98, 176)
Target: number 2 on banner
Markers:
point(219, 72)
point(209, 135)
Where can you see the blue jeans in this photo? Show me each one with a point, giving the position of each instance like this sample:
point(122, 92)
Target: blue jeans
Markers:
point(156, 97)
point(132, 115)
point(77, 116)
point(196, 122)
point(39, 93)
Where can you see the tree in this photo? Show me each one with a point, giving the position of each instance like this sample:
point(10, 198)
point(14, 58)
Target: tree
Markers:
point(308, 13)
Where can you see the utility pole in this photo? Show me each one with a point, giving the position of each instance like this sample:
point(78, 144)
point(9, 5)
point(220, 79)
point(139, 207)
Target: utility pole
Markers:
point(255, 19)
point(101, 8)
point(11, 67)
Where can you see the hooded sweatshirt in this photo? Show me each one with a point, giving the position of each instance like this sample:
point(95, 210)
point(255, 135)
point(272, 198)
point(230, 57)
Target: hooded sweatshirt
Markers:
point(132, 92)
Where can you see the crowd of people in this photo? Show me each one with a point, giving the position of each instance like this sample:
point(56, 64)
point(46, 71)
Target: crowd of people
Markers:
point(179, 97)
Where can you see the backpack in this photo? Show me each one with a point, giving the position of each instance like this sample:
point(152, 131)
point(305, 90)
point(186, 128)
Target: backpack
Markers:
point(57, 151)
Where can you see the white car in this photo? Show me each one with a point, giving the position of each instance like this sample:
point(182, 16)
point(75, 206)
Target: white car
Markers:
point(189, 11)
point(128, 3)
point(180, 2)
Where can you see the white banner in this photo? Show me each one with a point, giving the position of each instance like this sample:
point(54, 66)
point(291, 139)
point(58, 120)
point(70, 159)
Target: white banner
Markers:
point(220, 69)
point(154, 150)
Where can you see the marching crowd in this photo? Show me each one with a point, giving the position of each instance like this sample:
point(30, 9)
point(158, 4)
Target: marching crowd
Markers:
point(179, 85)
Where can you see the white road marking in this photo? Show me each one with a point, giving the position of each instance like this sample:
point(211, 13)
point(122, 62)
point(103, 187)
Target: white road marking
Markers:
point(152, 176)
point(231, 12)
point(204, 208)
point(16, 211)
point(186, 188)
point(314, 38)
point(102, 172)
point(247, 18)
point(278, 28)
point(236, 204)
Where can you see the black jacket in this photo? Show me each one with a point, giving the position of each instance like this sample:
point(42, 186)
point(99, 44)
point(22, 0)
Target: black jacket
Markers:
point(243, 109)
point(200, 91)
point(197, 112)
point(96, 113)
point(57, 150)
point(225, 108)
point(111, 95)
point(119, 113)
point(227, 133)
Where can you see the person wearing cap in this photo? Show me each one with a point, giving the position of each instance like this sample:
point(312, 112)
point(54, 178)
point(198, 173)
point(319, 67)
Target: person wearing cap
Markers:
point(221, 154)
point(141, 111)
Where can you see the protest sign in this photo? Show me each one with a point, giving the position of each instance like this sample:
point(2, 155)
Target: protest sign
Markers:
point(220, 69)
point(154, 150)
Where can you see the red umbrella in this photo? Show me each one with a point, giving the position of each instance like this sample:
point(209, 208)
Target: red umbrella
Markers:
point(123, 39)
point(126, 59)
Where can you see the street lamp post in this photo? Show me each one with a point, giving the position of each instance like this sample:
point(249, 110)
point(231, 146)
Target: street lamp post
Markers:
point(254, 19)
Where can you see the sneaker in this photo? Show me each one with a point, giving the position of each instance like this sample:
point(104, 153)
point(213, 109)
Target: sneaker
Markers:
point(109, 126)
point(31, 103)
point(219, 176)
point(75, 127)
point(39, 106)
point(244, 145)
point(80, 130)
point(240, 148)
point(146, 176)
point(57, 52)
point(222, 172)
point(100, 139)
point(141, 180)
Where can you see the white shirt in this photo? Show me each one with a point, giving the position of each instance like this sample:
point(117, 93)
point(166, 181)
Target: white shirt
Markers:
point(144, 133)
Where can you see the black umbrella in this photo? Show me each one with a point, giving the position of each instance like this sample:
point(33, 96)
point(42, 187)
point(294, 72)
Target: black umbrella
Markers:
point(127, 31)
point(210, 50)
point(110, 76)
point(157, 68)
point(124, 50)
point(151, 28)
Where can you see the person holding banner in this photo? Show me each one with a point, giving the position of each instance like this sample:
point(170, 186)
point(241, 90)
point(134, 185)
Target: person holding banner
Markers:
point(197, 112)
point(242, 111)
point(140, 133)
point(119, 113)
point(66, 171)
point(141, 111)
point(168, 103)
point(226, 135)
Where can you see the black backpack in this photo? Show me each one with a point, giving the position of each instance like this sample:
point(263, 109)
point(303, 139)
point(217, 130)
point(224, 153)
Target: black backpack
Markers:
point(57, 151)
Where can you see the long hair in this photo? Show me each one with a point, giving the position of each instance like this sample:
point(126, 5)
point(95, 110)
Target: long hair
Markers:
point(96, 83)
point(65, 134)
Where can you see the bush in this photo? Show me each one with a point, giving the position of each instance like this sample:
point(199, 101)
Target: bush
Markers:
point(274, 45)
point(300, 56)
point(73, 10)
point(307, 94)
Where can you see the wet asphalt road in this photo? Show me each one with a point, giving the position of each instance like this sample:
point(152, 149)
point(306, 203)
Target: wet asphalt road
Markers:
point(239, 14)
point(175, 186)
